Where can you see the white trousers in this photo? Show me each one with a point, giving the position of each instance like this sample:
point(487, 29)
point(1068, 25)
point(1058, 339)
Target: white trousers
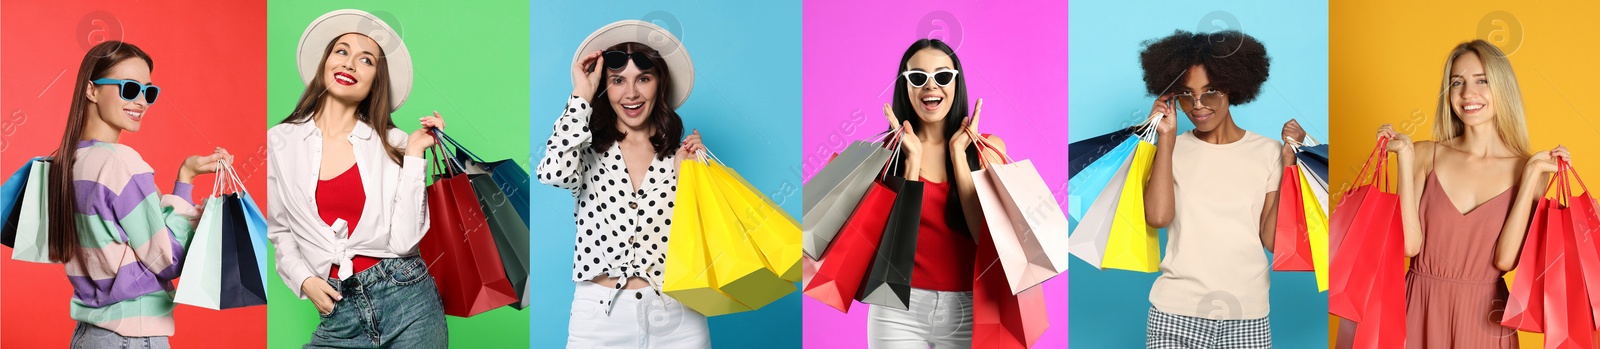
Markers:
point(639, 319)
point(937, 319)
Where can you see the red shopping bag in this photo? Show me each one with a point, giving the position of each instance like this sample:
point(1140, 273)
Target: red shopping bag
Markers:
point(1291, 241)
point(999, 318)
point(1383, 324)
point(841, 270)
point(1525, 303)
point(1560, 260)
point(1366, 225)
point(459, 249)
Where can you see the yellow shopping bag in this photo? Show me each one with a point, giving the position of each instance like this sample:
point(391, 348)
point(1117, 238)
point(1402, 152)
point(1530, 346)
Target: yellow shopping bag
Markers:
point(736, 265)
point(775, 233)
point(1133, 243)
point(1317, 230)
point(688, 277)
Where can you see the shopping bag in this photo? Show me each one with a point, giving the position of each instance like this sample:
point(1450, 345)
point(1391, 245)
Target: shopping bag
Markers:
point(1317, 232)
point(10, 202)
point(888, 282)
point(1568, 320)
point(1132, 244)
point(200, 283)
point(1370, 216)
point(256, 222)
point(840, 273)
point(1001, 319)
point(688, 277)
point(459, 248)
point(1089, 237)
point(32, 243)
point(775, 233)
point(1084, 153)
point(509, 232)
point(241, 282)
point(1097, 178)
point(1027, 226)
point(511, 179)
point(1384, 323)
point(1318, 190)
point(1525, 302)
point(736, 265)
point(834, 192)
point(1292, 245)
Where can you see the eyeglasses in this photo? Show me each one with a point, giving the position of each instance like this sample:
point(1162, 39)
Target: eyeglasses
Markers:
point(129, 89)
point(918, 78)
point(617, 60)
point(1209, 99)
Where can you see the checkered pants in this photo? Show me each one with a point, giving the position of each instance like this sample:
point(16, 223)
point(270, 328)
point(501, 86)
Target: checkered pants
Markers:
point(1171, 331)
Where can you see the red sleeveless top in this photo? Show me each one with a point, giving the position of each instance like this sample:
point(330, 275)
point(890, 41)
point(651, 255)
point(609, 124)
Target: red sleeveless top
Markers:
point(945, 254)
point(342, 197)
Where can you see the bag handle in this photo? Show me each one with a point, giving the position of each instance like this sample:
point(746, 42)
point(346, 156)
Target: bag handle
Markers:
point(894, 144)
point(981, 143)
point(457, 145)
point(1381, 156)
point(441, 162)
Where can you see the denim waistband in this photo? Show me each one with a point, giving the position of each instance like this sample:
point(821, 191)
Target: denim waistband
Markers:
point(380, 271)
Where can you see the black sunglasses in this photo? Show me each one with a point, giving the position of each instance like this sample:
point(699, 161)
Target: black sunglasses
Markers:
point(129, 89)
point(617, 60)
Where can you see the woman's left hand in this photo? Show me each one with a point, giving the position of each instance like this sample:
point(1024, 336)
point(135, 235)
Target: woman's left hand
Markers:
point(1544, 162)
point(421, 139)
point(1292, 134)
point(961, 140)
point(196, 165)
point(691, 145)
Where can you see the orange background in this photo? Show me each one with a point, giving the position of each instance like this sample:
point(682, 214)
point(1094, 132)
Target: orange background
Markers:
point(1386, 59)
point(210, 61)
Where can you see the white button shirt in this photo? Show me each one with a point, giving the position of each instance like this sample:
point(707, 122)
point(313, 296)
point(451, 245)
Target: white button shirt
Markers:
point(622, 232)
point(393, 219)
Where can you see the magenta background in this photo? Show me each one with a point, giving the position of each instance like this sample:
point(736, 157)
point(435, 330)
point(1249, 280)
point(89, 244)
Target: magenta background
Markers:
point(1014, 56)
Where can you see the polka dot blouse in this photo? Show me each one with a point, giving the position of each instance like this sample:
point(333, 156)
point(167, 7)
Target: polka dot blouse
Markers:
point(622, 232)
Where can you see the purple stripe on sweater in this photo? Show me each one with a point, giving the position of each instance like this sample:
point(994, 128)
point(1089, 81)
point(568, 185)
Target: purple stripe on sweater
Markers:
point(132, 281)
point(139, 187)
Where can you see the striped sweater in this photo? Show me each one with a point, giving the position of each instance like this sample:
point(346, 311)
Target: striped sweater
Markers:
point(133, 241)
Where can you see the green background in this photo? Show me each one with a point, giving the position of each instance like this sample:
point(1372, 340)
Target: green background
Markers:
point(471, 64)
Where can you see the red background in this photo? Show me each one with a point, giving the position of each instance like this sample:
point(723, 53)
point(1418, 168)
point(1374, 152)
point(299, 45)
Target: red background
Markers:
point(210, 61)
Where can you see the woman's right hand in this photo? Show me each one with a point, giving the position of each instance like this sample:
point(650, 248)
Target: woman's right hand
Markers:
point(584, 79)
point(321, 294)
point(1397, 141)
point(1168, 125)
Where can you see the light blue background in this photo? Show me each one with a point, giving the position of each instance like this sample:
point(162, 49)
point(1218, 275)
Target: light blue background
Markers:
point(746, 104)
point(1108, 94)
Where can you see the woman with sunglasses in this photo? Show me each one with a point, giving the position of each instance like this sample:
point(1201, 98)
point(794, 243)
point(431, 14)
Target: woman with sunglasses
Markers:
point(121, 241)
point(1215, 189)
point(345, 205)
point(930, 108)
point(618, 158)
point(1466, 199)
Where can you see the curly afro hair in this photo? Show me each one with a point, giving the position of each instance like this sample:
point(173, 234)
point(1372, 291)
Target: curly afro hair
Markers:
point(1236, 63)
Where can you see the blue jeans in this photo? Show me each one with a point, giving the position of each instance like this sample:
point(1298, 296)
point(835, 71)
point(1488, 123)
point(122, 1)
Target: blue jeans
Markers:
point(88, 336)
point(394, 304)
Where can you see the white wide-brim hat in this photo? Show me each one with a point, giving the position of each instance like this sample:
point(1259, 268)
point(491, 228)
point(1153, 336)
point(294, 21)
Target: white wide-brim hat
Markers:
point(680, 67)
point(332, 25)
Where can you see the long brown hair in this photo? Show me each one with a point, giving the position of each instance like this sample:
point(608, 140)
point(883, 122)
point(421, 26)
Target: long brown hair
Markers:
point(373, 110)
point(668, 126)
point(64, 239)
point(1509, 118)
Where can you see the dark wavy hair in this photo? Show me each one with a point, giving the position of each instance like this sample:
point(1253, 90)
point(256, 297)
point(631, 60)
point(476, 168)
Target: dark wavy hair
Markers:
point(668, 126)
point(904, 111)
point(1236, 63)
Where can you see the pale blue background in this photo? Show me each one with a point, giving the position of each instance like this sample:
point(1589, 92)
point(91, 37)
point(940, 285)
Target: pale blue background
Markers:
point(746, 104)
point(1108, 94)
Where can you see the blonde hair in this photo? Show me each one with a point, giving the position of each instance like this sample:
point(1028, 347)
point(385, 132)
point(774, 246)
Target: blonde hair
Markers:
point(1508, 113)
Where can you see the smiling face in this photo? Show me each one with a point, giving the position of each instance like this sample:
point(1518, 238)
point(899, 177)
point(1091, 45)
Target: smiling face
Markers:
point(931, 101)
point(351, 67)
point(1205, 116)
point(105, 100)
point(1470, 96)
point(632, 93)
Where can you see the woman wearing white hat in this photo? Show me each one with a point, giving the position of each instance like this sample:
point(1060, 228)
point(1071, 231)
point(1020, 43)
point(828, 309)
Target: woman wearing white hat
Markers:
point(345, 205)
point(618, 159)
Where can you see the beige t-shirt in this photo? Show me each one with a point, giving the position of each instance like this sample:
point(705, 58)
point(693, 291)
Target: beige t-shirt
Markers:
point(1215, 267)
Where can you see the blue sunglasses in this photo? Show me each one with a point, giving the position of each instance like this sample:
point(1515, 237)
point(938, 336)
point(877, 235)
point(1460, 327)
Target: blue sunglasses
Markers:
point(129, 89)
